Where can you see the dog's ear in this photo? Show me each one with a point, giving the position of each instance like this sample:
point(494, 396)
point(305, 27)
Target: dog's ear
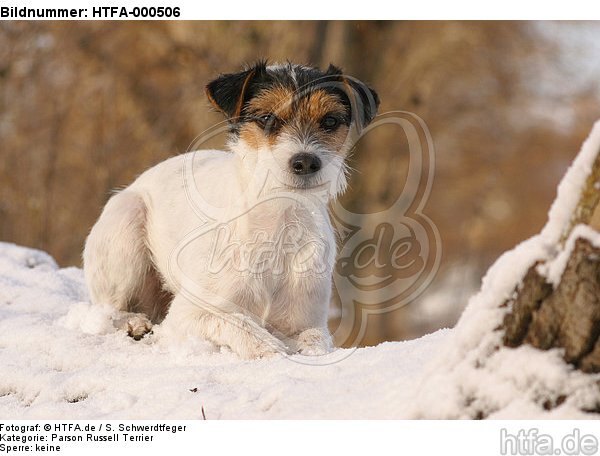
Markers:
point(363, 99)
point(229, 92)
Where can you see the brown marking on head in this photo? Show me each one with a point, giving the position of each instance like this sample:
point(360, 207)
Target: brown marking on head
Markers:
point(276, 100)
point(254, 136)
point(285, 103)
point(310, 113)
point(271, 90)
point(297, 114)
point(318, 104)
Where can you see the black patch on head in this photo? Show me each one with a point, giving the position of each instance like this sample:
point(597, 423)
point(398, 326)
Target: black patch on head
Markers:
point(361, 100)
point(230, 92)
point(366, 99)
point(332, 70)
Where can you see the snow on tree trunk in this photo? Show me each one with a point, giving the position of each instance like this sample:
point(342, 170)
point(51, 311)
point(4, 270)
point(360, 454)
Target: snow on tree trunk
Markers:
point(566, 315)
point(527, 344)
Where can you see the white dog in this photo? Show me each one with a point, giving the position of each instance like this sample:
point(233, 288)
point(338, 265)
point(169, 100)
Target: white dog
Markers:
point(237, 246)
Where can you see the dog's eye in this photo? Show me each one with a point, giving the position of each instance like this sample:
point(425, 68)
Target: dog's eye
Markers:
point(268, 121)
point(330, 123)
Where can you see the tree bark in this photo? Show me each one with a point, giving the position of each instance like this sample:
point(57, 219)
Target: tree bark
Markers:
point(567, 315)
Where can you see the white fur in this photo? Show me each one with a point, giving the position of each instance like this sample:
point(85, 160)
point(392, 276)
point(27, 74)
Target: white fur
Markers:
point(167, 220)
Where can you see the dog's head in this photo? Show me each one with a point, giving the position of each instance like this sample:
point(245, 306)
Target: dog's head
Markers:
point(298, 117)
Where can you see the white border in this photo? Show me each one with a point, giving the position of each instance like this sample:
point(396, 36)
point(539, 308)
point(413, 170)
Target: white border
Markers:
point(347, 9)
point(289, 438)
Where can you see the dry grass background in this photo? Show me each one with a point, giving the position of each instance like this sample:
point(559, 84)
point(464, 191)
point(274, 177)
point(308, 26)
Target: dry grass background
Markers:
point(85, 107)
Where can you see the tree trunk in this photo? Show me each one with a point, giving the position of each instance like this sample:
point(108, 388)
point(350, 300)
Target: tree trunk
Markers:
point(565, 315)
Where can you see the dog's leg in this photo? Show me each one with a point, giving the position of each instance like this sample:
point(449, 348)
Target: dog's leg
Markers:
point(117, 263)
point(313, 342)
point(239, 332)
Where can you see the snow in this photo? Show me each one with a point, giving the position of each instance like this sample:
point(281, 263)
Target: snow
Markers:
point(62, 358)
point(553, 270)
point(570, 188)
point(475, 374)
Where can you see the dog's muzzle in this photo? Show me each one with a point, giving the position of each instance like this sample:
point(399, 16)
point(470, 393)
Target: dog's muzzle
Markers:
point(305, 163)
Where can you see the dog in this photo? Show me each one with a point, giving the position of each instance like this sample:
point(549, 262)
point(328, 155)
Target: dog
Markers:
point(237, 246)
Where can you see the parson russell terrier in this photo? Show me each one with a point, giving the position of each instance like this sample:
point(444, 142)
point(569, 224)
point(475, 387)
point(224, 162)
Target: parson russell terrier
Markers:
point(259, 280)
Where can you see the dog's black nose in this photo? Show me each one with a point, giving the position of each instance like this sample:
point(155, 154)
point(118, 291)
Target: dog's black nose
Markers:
point(305, 163)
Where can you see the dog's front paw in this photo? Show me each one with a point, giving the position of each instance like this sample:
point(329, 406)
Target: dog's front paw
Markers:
point(255, 347)
point(136, 325)
point(314, 342)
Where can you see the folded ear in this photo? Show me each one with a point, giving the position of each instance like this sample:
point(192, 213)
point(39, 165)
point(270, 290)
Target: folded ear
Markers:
point(364, 100)
point(228, 92)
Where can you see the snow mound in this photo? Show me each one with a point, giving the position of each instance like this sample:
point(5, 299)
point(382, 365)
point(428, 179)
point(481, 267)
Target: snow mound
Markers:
point(61, 358)
point(475, 375)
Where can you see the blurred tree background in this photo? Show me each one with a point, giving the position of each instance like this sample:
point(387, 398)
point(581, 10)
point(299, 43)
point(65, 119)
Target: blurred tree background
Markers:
point(87, 106)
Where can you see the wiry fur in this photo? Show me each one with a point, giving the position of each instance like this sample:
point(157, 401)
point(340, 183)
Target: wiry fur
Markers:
point(133, 257)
